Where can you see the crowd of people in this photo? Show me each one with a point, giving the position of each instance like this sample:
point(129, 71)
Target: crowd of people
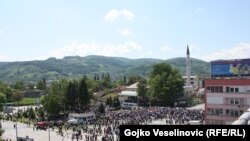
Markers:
point(106, 126)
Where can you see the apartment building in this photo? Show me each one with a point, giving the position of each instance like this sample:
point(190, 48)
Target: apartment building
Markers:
point(226, 99)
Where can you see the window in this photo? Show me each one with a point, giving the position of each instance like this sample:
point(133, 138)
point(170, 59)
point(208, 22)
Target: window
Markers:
point(236, 113)
point(236, 101)
point(236, 90)
point(231, 90)
point(212, 89)
point(208, 89)
point(216, 89)
point(232, 101)
point(227, 89)
point(227, 112)
point(220, 89)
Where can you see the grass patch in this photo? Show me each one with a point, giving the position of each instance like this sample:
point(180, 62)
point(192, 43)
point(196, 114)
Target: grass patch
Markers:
point(28, 101)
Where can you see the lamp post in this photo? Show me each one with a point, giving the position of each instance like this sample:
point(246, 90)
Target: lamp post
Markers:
point(48, 127)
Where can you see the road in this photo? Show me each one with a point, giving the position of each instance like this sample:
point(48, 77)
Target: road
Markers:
point(37, 135)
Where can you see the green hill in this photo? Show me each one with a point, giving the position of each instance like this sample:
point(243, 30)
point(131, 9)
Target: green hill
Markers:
point(76, 67)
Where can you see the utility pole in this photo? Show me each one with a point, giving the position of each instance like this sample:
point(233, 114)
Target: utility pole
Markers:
point(16, 132)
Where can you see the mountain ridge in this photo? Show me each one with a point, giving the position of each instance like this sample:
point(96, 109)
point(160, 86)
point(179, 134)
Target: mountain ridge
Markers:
point(77, 66)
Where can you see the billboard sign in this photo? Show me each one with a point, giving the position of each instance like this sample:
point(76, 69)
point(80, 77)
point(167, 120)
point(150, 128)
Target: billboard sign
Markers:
point(239, 67)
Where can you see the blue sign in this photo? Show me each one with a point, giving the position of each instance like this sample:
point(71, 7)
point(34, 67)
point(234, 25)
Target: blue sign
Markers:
point(230, 67)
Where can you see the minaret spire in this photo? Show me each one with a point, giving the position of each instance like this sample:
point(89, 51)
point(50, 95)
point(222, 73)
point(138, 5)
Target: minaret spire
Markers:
point(188, 65)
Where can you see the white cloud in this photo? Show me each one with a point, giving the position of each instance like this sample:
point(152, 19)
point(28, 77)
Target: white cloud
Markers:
point(83, 49)
point(240, 51)
point(166, 48)
point(127, 14)
point(113, 14)
point(125, 32)
point(1, 32)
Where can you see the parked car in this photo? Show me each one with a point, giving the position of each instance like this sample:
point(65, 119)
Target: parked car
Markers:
point(41, 125)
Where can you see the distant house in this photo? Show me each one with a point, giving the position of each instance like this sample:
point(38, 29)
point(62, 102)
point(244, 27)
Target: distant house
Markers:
point(33, 93)
point(131, 93)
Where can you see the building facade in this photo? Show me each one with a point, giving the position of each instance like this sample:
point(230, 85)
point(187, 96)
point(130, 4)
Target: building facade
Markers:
point(226, 99)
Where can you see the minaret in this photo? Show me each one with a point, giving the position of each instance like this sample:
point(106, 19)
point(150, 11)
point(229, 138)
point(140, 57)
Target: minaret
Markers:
point(188, 65)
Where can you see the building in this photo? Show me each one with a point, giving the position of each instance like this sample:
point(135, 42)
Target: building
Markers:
point(194, 81)
point(130, 93)
point(33, 93)
point(226, 100)
point(227, 93)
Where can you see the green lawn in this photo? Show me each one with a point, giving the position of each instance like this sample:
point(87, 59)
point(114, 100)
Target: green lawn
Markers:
point(28, 101)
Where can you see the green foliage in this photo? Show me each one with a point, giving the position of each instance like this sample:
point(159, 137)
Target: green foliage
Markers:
point(17, 96)
point(109, 101)
point(116, 102)
point(84, 95)
point(142, 90)
point(19, 85)
point(74, 67)
point(166, 85)
point(53, 104)
point(28, 101)
point(2, 101)
point(32, 114)
point(101, 108)
point(133, 79)
point(41, 85)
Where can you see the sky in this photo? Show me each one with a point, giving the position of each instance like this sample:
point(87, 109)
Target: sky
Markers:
point(162, 29)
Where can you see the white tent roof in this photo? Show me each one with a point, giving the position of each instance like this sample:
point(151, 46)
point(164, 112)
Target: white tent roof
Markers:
point(128, 93)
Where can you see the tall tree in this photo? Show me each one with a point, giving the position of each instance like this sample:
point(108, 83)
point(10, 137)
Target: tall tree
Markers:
point(84, 95)
point(142, 90)
point(72, 96)
point(52, 104)
point(57, 92)
point(166, 84)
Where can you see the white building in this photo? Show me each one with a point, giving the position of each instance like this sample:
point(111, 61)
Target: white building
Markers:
point(194, 81)
point(131, 93)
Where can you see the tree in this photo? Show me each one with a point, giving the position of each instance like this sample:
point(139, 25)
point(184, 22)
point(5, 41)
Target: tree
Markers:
point(116, 102)
point(84, 95)
point(2, 100)
point(41, 85)
point(109, 101)
point(19, 85)
point(17, 96)
point(101, 108)
point(142, 89)
point(55, 101)
point(166, 84)
point(52, 104)
point(71, 96)
point(133, 79)
point(32, 114)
